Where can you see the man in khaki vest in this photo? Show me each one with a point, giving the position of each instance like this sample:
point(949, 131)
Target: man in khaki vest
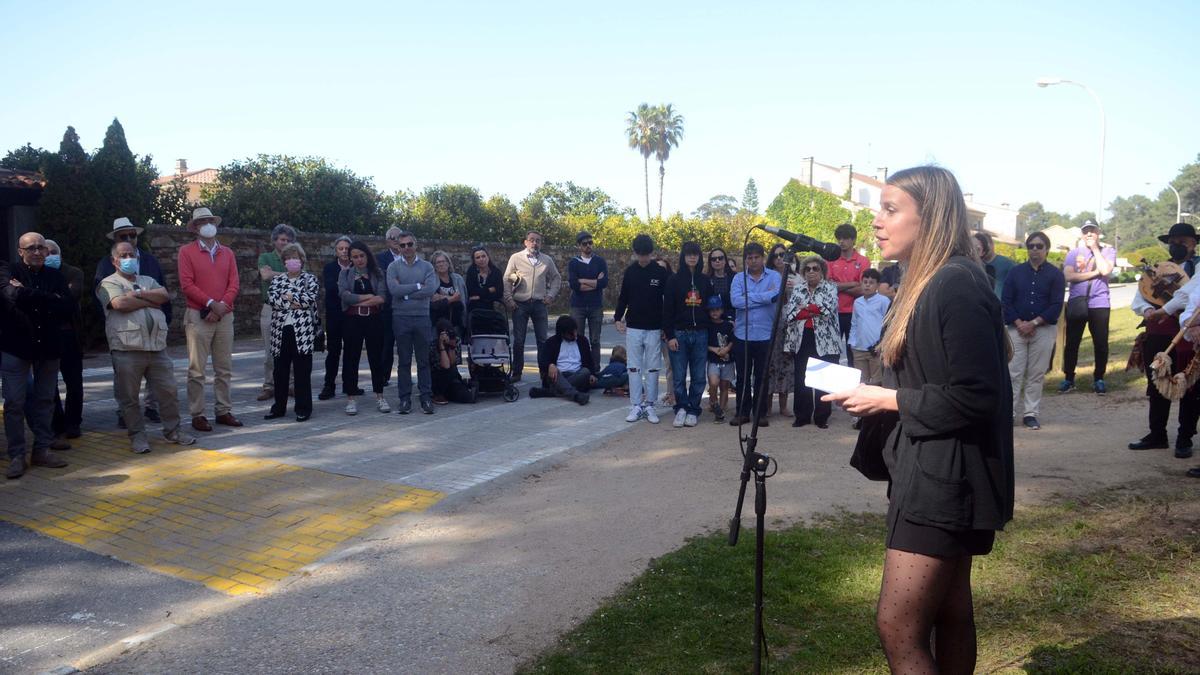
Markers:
point(136, 329)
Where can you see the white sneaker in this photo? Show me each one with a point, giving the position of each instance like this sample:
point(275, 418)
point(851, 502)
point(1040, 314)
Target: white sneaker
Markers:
point(351, 408)
point(382, 406)
point(680, 416)
point(635, 413)
point(690, 421)
point(651, 416)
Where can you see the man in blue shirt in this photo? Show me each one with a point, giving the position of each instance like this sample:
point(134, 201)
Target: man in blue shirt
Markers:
point(587, 275)
point(1032, 300)
point(753, 294)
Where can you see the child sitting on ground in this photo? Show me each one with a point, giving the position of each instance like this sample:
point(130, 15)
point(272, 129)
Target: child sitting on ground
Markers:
point(614, 379)
point(720, 366)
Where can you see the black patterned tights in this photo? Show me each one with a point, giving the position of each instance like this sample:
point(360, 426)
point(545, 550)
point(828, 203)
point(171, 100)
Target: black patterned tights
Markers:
point(926, 599)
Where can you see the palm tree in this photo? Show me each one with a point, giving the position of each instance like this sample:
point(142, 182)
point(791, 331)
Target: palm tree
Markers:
point(640, 134)
point(668, 128)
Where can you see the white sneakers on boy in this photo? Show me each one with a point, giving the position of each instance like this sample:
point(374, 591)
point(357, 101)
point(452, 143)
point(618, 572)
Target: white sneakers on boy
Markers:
point(680, 416)
point(635, 413)
point(651, 416)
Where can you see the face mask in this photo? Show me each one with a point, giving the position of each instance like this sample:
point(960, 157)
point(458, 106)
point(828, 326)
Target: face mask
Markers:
point(208, 230)
point(54, 261)
point(129, 265)
point(1178, 252)
point(293, 265)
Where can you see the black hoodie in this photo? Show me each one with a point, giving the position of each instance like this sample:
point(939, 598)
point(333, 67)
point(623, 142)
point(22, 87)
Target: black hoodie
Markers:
point(685, 301)
point(642, 294)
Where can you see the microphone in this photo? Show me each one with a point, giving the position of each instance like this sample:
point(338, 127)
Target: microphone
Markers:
point(827, 251)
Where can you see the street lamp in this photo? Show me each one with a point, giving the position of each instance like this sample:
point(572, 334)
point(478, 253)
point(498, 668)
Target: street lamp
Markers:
point(1178, 204)
point(1050, 81)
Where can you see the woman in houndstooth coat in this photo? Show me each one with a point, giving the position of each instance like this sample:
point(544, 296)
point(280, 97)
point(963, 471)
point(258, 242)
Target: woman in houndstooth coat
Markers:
point(293, 297)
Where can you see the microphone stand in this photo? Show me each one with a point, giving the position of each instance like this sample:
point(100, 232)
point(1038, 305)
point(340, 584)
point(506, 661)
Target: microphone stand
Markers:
point(763, 467)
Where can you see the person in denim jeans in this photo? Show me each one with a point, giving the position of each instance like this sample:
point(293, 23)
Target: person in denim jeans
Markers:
point(531, 281)
point(587, 275)
point(642, 289)
point(685, 321)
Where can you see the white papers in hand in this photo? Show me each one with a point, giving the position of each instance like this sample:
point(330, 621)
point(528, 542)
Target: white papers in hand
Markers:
point(830, 377)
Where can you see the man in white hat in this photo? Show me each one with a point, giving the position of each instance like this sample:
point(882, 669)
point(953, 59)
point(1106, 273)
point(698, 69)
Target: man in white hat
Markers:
point(125, 230)
point(137, 340)
point(208, 276)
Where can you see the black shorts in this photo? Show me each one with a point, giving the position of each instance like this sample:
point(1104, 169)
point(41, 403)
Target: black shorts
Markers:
point(905, 535)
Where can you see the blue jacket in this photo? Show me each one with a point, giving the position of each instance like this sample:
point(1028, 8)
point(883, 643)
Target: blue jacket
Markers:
point(592, 269)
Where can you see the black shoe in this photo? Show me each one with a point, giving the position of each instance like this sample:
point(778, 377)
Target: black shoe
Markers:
point(1031, 423)
point(1149, 443)
point(822, 425)
point(427, 406)
point(1194, 472)
point(405, 407)
point(799, 423)
point(581, 398)
point(326, 394)
point(303, 418)
point(273, 415)
point(764, 422)
point(152, 415)
point(738, 420)
point(1183, 448)
point(538, 392)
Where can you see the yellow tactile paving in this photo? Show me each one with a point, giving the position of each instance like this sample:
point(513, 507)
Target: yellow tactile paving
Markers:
point(235, 524)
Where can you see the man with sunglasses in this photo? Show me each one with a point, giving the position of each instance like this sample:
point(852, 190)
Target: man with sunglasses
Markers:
point(36, 302)
point(587, 275)
point(148, 266)
point(411, 282)
point(1032, 300)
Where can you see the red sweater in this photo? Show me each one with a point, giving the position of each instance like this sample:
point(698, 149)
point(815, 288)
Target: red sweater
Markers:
point(205, 278)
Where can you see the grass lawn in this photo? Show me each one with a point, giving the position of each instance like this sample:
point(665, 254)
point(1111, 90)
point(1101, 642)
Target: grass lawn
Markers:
point(1122, 329)
point(1106, 584)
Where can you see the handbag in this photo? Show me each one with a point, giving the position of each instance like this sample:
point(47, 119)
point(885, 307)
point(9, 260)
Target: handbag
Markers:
point(868, 450)
point(1077, 307)
point(319, 332)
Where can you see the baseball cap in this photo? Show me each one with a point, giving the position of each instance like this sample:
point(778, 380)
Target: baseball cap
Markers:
point(582, 237)
point(714, 302)
point(1089, 223)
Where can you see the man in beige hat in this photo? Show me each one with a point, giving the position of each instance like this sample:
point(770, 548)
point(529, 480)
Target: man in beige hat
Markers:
point(208, 276)
point(125, 230)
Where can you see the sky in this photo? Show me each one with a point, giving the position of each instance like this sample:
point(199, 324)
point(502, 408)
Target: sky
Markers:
point(506, 96)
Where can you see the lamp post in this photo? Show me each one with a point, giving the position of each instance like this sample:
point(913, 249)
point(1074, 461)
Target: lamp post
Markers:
point(1050, 81)
point(1178, 202)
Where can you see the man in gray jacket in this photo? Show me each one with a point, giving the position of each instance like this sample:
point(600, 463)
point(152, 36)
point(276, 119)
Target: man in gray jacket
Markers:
point(411, 282)
point(531, 280)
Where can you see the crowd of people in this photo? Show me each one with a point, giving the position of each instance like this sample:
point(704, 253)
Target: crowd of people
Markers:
point(952, 344)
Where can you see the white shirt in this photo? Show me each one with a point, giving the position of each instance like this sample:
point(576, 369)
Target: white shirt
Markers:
point(569, 360)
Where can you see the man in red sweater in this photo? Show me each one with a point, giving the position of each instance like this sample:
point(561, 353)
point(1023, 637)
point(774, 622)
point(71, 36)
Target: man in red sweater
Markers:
point(208, 275)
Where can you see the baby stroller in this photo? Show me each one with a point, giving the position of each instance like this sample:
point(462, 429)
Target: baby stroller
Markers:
point(489, 358)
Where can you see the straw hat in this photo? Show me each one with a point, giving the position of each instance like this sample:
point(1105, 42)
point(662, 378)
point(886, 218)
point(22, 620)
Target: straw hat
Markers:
point(121, 224)
point(203, 213)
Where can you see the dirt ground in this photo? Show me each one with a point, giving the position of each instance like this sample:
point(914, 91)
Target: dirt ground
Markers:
point(486, 583)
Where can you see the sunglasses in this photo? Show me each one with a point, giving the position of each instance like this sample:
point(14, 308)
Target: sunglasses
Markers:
point(1035, 247)
point(586, 243)
point(717, 258)
point(125, 237)
point(407, 244)
point(812, 268)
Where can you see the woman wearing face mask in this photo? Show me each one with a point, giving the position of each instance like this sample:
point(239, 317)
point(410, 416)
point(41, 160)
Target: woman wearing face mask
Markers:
point(292, 296)
point(67, 419)
point(947, 394)
point(484, 287)
point(363, 293)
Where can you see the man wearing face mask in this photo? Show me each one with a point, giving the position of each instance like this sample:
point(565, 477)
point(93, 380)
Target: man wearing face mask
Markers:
point(124, 230)
point(36, 302)
point(136, 329)
point(208, 276)
point(67, 418)
point(1162, 324)
point(1087, 268)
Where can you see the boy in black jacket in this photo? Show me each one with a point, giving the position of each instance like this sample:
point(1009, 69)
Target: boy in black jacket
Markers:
point(566, 364)
point(639, 317)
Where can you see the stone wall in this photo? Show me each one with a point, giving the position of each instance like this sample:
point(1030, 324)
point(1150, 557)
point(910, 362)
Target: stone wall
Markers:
point(164, 242)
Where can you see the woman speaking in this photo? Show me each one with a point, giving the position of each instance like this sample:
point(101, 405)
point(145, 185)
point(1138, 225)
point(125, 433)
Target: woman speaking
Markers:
point(950, 455)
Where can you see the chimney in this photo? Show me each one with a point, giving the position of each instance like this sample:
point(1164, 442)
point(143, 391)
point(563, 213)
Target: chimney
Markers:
point(969, 196)
point(180, 167)
point(1004, 204)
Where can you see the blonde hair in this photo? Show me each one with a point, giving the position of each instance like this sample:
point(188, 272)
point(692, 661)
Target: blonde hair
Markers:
point(294, 248)
point(943, 233)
